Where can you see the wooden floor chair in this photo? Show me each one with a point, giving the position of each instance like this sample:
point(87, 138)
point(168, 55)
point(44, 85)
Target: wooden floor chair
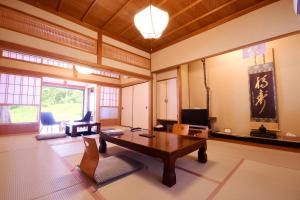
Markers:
point(181, 129)
point(105, 170)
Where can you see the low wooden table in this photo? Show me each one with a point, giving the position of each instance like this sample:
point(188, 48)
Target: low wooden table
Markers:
point(75, 125)
point(167, 146)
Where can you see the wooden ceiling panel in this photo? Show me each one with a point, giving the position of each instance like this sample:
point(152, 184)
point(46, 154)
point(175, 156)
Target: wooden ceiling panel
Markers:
point(51, 4)
point(102, 11)
point(115, 17)
point(131, 34)
point(125, 17)
point(173, 8)
point(73, 8)
point(211, 4)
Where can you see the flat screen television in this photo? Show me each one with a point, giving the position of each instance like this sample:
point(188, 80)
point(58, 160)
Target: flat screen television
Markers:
point(198, 117)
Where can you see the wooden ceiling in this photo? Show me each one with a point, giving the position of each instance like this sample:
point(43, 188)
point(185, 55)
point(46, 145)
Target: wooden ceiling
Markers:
point(115, 17)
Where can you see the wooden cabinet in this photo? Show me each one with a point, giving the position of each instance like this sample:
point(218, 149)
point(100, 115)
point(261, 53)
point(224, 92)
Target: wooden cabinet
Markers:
point(135, 106)
point(167, 99)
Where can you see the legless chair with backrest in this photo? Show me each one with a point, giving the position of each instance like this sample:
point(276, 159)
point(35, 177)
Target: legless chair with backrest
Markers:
point(181, 129)
point(90, 157)
point(106, 169)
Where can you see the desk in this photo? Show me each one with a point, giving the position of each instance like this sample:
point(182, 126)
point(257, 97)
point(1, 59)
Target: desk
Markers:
point(74, 125)
point(167, 146)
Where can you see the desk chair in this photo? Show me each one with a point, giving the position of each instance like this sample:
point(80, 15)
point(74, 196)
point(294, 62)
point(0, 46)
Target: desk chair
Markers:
point(86, 118)
point(47, 120)
point(181, 129)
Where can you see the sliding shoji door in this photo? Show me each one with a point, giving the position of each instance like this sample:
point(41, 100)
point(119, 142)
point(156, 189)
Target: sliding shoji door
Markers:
point(127, 97)
point(141, 105)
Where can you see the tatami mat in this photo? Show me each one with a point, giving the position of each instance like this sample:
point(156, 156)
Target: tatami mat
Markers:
point(217, 167)
point(77, 192)
point(146, 184)
point(254, 180)
point(68, 149)
point(33, 169)
point(259, 154)
point(32, 172)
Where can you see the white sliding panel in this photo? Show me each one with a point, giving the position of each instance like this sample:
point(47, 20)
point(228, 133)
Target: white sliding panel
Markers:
point(161, 93)
point(172, 99)
point(141, 105)
point(126, 115)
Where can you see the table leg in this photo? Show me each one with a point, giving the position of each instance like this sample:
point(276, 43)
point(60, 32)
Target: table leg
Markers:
point(98, 128)
point(74, 131)
point(169, 176)
point(102, 147)
point(202, 156)
point(89, 129)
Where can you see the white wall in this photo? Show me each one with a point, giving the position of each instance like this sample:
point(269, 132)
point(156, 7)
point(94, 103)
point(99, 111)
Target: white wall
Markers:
point(228, 79)
point(270, 21)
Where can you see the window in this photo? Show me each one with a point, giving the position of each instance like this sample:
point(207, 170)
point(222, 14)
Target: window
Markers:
point(64, 103)
point(19, 98)
point(109, 102)
point(52, 62)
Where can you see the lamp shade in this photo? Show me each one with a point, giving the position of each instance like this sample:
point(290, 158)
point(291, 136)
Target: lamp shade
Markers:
point(151, 22)
point(83, 70)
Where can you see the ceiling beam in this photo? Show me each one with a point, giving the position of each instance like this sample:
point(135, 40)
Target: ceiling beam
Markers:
point(217, 23)
point(184, 9)
point(58, 7)
point(88, 10)
point(199, 18)
point(131, 24)
point(115, 14)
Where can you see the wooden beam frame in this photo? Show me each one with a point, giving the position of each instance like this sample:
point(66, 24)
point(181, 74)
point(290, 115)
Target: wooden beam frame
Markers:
point(115, 14)
point(59, 5)
point(200, 17)
point(25, 49)
point(217, 23)
point(88, 10)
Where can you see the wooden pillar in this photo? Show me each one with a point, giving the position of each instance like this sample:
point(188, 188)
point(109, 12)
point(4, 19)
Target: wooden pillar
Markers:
point(179, 92)
point(99, 48)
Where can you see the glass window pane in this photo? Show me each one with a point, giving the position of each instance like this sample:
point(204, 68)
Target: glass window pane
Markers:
point(2, 98)
point(10, 99)
point(18, 80)
point(11, 79)
point(30, 99)
point(3, 78)
point(30, 90)
point(109, 113)
point(25, 89)
point(18, 114)
point(11, 89)
point(38, 81)
point(37, 91)
point(31, 81)
point(2, 88)
point(25, 80)
point(64, 103)
point(16, 99)
point(17, 89)
point(37, 100)
point(24, 99)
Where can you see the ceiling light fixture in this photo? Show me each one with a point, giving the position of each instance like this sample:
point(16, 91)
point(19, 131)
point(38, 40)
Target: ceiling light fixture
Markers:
point(83, 70)
point(151, 22)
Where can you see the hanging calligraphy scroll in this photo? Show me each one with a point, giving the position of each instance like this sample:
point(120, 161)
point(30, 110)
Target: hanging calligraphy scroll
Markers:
point(262, 93)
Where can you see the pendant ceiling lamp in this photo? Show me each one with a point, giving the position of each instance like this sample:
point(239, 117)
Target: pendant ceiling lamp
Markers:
point(151, 22)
